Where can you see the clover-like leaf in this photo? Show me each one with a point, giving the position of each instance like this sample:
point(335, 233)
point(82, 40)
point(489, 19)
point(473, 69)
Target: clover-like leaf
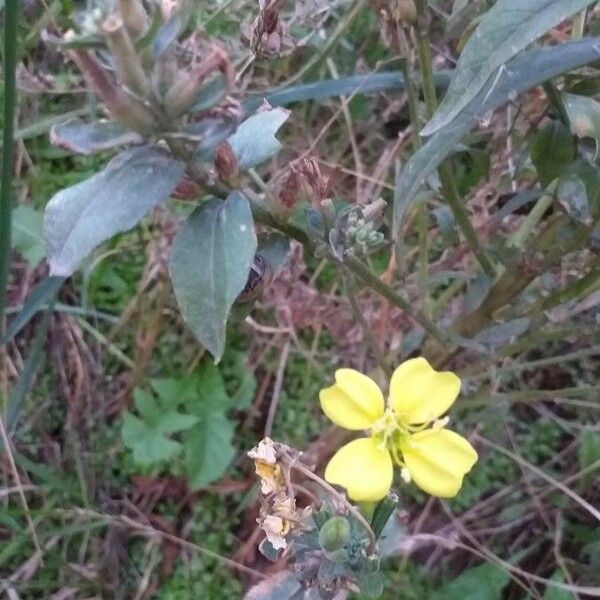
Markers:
point(147, 434)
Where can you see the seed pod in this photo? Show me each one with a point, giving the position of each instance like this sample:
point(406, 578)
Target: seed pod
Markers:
point(334, 534)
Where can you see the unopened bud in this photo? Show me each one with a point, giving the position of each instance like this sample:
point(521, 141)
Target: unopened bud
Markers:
point(406, 12)
point(226, 163)
point(134, 16)
point(186, 189)
point(334, 534)
point(288, 196)
point(185, 91)
point(127, 62)
point(123, 107)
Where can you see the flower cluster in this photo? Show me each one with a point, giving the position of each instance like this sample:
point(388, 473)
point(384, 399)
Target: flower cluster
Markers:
point(409, 432)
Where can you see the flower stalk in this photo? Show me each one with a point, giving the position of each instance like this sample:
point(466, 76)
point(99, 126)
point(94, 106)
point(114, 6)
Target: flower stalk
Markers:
point(127, 62)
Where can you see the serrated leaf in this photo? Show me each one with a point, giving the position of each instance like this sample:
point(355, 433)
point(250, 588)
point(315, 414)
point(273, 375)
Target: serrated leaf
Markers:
point(77, 136)
point(210, 260)
point(27, 235)
point(526, 70)
point(255, 141)
point(484, 582)
point(79, 218)
point(552, 151)
point(147, 436)
point(208, 447)
point(504, 31)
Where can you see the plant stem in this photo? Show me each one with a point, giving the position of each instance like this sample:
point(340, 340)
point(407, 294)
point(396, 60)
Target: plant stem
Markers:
point(372, 281)
point(358, 315)
point(445, 172)
point(10, 57)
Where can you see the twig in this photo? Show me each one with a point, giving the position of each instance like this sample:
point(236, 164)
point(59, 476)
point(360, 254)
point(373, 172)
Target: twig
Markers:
point(277, 388)
point(18, 484)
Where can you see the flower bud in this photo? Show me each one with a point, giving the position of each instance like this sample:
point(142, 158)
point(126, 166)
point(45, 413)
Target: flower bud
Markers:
point(406, 12)
point(127, 62)
point(134, 16)
point(226, 163)
point(186, 189)
point(334, 534)
point(122, 107)
point(185, 90)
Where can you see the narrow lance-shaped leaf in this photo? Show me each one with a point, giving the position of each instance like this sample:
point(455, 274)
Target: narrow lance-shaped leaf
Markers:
point(210, 261)
point(523, 72)
point(504, 31)
point(83, 216)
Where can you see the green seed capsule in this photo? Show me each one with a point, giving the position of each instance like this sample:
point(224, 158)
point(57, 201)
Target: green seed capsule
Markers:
point(334, 534)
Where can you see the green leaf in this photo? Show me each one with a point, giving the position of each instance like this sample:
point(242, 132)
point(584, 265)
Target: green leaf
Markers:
point(81, 217)
point(77, 136)
point(504, 31)
point(370, 83)
point(46, 290)
point(584, 116)
point(210, 260)
point(497, 335)
point(588, 454)
point(555, 593)
point(525, 71)
point(552, 151)
point(255, 141)
point(484, 582)
point(147, 435)
point(27, 236)
point(274, 248)
point(208, 447)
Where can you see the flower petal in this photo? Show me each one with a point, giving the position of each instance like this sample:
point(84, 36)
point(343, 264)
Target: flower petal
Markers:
point(354, 402)
point(419, 393)
point(363, 468)
point(437, 460)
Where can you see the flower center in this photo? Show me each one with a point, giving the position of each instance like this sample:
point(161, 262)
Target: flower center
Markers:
point(391, 429)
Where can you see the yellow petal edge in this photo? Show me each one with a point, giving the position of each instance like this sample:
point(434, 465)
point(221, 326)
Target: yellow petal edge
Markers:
point(419, 393)
point(355, 401)
point(363, 468)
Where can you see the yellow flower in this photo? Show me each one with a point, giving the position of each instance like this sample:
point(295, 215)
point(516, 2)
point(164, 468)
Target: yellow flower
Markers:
point(409, 433)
